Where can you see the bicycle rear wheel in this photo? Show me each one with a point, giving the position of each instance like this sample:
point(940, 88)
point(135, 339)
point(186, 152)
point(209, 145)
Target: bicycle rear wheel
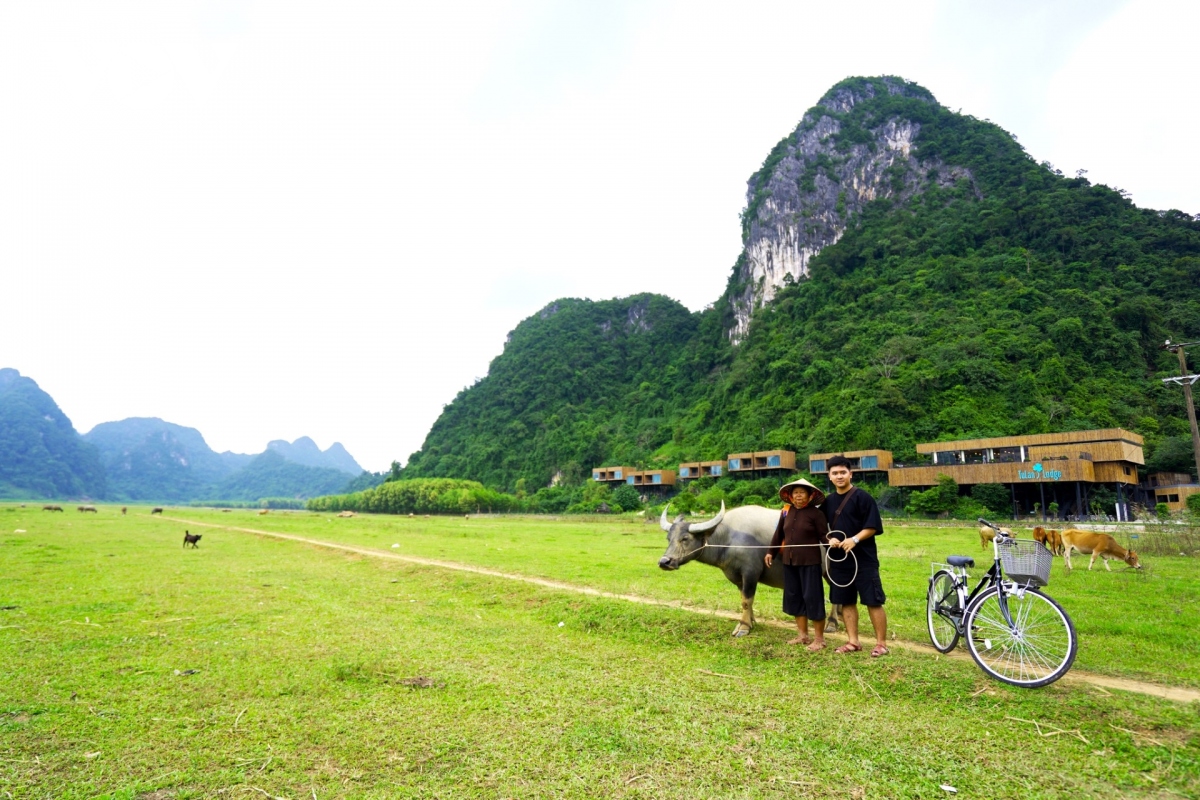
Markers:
point(1036, 649)
point(943, 611)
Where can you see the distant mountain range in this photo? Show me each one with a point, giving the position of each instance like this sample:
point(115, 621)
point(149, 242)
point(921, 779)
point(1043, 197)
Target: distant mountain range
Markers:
point(146, 458)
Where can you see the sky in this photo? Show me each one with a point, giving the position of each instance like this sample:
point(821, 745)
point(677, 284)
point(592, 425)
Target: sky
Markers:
point(273, 220)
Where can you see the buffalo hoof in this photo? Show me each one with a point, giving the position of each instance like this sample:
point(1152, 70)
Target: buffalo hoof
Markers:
point(740, 630)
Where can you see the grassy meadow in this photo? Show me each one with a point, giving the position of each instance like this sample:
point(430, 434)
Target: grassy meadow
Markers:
point(319, 673)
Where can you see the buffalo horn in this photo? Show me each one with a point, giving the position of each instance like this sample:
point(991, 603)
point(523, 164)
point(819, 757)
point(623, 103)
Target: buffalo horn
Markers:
point(662, 521)
point(705, 527)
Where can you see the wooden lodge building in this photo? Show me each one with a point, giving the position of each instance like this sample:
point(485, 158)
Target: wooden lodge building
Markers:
point(703, 469)
point(640, 478)
point(1039, 469)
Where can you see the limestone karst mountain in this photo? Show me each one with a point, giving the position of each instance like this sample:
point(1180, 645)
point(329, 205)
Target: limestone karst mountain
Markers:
point(41, 454)
point(907, 273)
point(146, 458)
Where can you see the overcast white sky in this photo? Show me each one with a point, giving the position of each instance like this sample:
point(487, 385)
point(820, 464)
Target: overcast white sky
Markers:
point(268, 220)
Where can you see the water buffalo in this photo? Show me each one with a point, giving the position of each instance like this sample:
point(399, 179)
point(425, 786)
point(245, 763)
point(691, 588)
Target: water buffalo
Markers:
point(748, 529)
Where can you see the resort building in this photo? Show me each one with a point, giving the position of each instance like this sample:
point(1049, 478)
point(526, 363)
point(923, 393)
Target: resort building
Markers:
point(702, 469)
point(611, 474)
point(1171, 488)
point(1039, 469)
point(769, 461)
point(870, 464)
point(651, 478)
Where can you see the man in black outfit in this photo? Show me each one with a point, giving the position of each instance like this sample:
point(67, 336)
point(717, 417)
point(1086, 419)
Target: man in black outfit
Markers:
point(854, 512)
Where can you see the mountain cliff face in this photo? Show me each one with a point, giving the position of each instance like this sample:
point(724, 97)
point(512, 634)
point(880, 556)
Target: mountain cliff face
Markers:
point(908, 274)
point(41, 454)
point(847, 152)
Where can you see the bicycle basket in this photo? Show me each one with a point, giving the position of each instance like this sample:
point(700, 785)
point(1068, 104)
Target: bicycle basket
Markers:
point(1026, 561)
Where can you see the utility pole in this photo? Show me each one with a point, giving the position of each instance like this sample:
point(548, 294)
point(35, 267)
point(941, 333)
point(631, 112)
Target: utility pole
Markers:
point(1186, 382)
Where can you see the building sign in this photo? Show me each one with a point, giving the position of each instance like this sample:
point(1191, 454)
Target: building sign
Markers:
point(1039, 473)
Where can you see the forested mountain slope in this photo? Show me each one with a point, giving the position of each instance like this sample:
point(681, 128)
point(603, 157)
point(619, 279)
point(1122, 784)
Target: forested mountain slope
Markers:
point(909, 274)
point(578, 382)
point(146, 458)
point(41, 454)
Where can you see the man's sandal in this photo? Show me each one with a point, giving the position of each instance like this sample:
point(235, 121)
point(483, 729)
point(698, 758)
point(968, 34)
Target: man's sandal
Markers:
point(849, 647)
point(879, 650)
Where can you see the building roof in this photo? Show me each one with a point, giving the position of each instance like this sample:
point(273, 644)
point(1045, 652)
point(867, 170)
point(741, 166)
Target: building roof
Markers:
point(1067, 437)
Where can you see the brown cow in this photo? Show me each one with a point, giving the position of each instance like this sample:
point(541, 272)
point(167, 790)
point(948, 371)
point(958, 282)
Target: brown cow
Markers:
point(1097, 544)
point(264, 511)
point(1052, 539)
point(52, 508)
point(123, 510)
point(986, 535)
point(92, 509)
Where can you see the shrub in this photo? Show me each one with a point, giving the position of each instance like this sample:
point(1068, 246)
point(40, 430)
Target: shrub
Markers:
point(1162, 510)
point(1193, 503)
point(627, 498)
point(993, 496)
point(937, 499)
point(420, 496)
point(710, 499)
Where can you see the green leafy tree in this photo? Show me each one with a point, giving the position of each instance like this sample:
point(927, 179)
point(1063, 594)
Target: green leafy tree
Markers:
point(936, 500)
point(627, 498)
point(994, 497)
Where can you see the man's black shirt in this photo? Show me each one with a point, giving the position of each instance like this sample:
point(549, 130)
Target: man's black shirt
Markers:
point(859, 512)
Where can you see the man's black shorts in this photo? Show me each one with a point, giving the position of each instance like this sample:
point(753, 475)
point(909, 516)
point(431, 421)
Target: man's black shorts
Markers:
point(803, 592)
point(866, 588)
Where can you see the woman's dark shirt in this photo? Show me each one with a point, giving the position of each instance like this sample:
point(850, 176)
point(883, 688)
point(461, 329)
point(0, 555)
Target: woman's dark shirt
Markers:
point(804, 526)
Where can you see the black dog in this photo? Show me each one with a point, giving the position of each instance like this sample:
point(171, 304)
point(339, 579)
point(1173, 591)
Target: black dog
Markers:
point(190, 539)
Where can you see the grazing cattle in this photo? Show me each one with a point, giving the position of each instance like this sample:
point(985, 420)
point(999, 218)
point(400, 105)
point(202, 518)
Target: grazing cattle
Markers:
point(734, 542)
point(264, 511)
point(157, 510)
point(193, 540)
point(52, 508)
point(986, 535)
point(1097, 544)
point(226, 511)
point(82, 509)
point(123, 510)
point(1052, 539)
point(346, 514)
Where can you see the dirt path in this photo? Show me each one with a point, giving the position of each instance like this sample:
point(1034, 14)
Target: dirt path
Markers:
point(1176, 693)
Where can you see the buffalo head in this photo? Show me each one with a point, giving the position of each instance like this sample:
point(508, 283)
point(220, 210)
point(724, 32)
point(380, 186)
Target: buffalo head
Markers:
point(685, 539)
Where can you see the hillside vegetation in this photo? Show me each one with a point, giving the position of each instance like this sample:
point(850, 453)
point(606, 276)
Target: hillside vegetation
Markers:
point(1010, 300)
point(41, 454)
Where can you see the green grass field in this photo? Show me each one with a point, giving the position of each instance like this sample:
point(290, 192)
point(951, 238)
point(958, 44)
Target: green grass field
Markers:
point(311, 664)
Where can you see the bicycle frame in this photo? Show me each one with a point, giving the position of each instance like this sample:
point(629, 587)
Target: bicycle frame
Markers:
point(993, 577)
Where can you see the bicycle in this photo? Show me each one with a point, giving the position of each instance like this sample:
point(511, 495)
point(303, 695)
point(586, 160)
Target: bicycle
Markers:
point(1015, 633)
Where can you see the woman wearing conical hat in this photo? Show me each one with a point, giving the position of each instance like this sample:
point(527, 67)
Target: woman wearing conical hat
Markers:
point(801, 530)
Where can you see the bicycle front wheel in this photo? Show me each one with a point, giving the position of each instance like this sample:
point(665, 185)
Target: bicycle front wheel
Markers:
point(943, 611)
point(1036, 649)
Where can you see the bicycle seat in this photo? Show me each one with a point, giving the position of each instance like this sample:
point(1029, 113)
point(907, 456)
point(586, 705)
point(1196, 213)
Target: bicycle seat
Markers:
point(960, 561)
